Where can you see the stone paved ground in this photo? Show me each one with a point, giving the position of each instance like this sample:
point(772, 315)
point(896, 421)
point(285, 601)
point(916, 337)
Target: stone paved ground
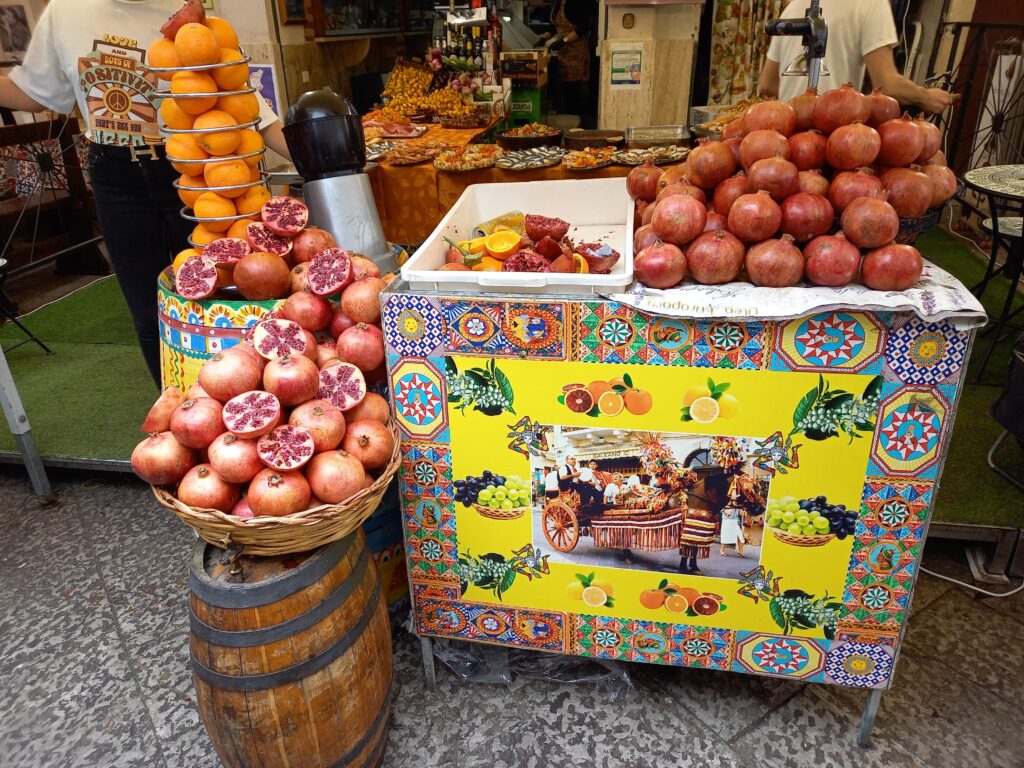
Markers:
point(93, 672)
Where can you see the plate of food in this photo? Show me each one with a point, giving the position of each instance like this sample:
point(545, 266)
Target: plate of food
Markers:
point(588, 159)
point(397, 131)
point(529, 159)
point(658, 155)
point(472, 157)
point(530, 135)
point(411, 153)
point(377, 148)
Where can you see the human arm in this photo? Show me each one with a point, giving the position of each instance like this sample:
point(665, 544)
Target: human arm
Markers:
point(273, 137)
point(768, 82)
point(12, 97)
point(882, 69)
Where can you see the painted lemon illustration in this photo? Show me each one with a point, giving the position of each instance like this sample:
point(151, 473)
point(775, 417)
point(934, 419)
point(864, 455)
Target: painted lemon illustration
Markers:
point(595, 596)
point(704, 410)
point(703, 404)
point(728, 406)
point(603, 585)
point(694, 392)
point(574, 591)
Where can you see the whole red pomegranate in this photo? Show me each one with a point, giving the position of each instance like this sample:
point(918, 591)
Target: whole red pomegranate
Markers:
point(715, 258)
point(715, 222)
point(733, 129)
point(233, 458)
point(831, 260)
point(673, 175)
point(910, 191)
point(661, 265)
point(642, 181)
point(813, 183)
point(902, 141)
point(803, 108)
point(292, 378)
point(201, 488)
point(838, 107)
point(805, 216)
point(755, 217)
point(643, 237)
point(340, 322)
point(734, 146)
point(362, 345)
point(274, 493)
point(679, 218)
point(932, 137)
point(779, 177)
point(226, 375)
point(944, 183)
point(369, 441)
point(195, 423)
point(681, 188)
point(807, 150)
point(309, 242)
point(361, 300)
point(849, 185)
point(261, 276)
point(770, 115)
point(883, 108)
point(161, 460)
point(761, 144)
point(852, 146)
point(892, 267)
point(323, 420)
point(312, 312)
point(710, 163)
point(728, 191)
point(335, 476)
point(373, 406)
point(869, 222)
point(775, 263)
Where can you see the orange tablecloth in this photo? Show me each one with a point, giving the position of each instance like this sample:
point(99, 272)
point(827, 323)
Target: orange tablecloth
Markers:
point(412, 199)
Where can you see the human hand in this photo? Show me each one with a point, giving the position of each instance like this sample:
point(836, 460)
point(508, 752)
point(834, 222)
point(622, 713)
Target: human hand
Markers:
point(554, 43)
point(935, 100)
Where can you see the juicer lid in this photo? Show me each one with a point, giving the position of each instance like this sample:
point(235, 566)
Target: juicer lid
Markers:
point(319, 105)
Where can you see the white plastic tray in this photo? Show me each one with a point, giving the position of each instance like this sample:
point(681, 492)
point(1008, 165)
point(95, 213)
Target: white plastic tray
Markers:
point(598, 210)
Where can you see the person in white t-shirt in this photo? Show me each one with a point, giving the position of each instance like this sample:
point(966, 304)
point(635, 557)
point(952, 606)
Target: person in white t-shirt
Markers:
point(551, 483)
point(861, 35)
point(612, 490)
point(92, 54)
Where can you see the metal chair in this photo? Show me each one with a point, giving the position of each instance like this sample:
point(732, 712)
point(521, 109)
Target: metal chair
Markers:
point(1008, 411)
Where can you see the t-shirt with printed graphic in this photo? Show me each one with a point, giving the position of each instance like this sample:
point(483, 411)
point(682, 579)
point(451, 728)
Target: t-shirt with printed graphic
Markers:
point(93, 53)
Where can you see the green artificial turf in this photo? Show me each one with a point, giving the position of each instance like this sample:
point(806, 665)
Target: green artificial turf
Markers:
point(85, 401)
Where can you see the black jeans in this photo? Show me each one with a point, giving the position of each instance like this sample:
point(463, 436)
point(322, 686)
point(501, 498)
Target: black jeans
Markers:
point(138, 212)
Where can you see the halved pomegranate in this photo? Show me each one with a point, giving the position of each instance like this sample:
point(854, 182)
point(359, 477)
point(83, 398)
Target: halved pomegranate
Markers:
point(227, 251)
point(286, 447)
point(196, 279)
point(252, 414)
point(329, 272)
point(274, 338)
point(343, 384)
point(262, 238)
point(285, 215)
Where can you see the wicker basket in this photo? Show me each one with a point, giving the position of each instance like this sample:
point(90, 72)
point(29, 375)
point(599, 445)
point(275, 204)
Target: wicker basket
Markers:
point(799, 540)
point(500, 514)
point(300, 532)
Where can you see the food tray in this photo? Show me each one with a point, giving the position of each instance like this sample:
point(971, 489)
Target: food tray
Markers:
point(657, 136)
point(597, 210)
point(578, 138)
point(529, 159)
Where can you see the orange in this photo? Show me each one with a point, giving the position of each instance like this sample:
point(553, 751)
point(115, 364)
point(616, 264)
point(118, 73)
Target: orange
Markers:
point(252, 200)
point(580, 265)
point(161, 53)
point(210, 205)
point(638, 401)
point(196, 45)
point(183, 146)
point(222, 31)
point(676, 604)
point(244, 107)
point(502, 244)
point(190, 83)
point(203, 236)
point(610, 404)
point(227, 173)
point(254, 173)
point(217, 142)
point(617, 382)
point(488, 264)
point(598, 388)
point(652, 598)
point(251, 142)
point(230, 78)
point(182, 257)
point(189, 198)
point(225, 277)
point(689, 593)
point(238, 228)
point(174, 116)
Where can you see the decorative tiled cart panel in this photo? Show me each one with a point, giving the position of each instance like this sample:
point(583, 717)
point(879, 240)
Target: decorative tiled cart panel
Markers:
point(858, 404)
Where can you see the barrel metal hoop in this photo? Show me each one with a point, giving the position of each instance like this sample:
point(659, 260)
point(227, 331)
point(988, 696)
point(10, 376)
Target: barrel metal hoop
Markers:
point(251, 637)
point(293, 673)
point(271, 590)
point(346, 760)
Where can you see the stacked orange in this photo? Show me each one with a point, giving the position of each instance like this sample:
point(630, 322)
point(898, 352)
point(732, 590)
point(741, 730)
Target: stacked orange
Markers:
point(225, 120)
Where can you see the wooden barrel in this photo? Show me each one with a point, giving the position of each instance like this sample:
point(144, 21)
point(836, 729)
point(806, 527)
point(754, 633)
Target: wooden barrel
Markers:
point(292, 658)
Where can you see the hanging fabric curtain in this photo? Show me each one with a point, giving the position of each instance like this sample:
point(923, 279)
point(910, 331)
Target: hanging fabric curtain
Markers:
point(738, 47)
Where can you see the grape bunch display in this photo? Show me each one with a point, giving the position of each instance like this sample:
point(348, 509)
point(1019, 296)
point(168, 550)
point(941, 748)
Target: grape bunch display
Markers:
point(811, 517)
point(494, 491)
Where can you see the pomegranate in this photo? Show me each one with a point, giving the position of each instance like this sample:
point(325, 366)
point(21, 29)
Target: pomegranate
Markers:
point(201, 488)
point(292, 379)
point(159, 417)
point(883, 108)
point(852, 146)
point(661, 265)
point(343, 384)
point(363, 267)
point(733, 129)
point(715, 258)
point(252, 414)
point(931, 138)
point(195, 423)
point(286, 447)
point(673, 175)
point(939, 158)
point(838, 107)
point(711, 162)
point(340, 322)
point(807, 150)
point(195, 392)
point(803, 107)
point(682, 188)
point(161, 460)
point(273, 338)
point(261, 276)
point(806, 216)
point(813, 183)
point(225, 375)
point(246, 349)
point(648, 214)
point(285, 216)
point(323, 421)
point(260, 238)
point(309, 242)
point(679, 218)
point(775, 263)
point(849, 185)
point(831, 260)
point(910, 191)
point(362, 345)
point(242, 509)
point(192, 12)
point(728, 191)
point(902, 142)
point(943, 183)
point(892, 267)
point(643, 237)
point(274, 493)
point(373, 407)
point(761, 144)
point(715, 222)
point(600, 257)
point(335, 475)
point(369, 441)
point(755, 217)
point(233, 458)
point(196, 279)
point(770, 115)
point(734, 146)
point(779, 177)
point(537, 226)
point(329, 272)
point(869, 222)
point(326, 352)
point(361, 300)
point(227, 251)
point(311, 312)
point(641, 183)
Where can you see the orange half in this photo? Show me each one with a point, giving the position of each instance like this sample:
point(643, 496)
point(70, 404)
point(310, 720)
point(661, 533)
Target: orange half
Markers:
point(503, 244)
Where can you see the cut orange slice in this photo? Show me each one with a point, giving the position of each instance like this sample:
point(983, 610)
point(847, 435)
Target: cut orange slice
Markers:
point(610, 403)
point(488, 264)
point(579, 264)
point(676, 604)
point(502, 244)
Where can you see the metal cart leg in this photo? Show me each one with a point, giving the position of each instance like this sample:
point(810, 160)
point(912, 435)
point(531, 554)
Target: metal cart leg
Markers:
point(17, 420)
point(990, 458)
point(429, 674)
point(867, 718)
